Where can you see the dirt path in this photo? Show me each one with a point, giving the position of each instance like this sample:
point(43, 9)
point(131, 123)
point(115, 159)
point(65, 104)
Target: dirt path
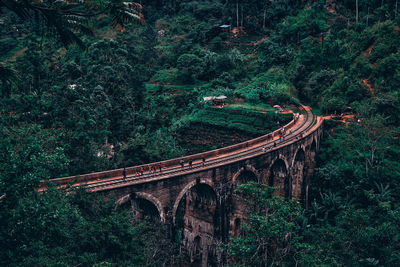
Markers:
point(343, 118)
point(372, 89)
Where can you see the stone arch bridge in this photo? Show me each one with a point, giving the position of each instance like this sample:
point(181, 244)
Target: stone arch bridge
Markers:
point(201, 197)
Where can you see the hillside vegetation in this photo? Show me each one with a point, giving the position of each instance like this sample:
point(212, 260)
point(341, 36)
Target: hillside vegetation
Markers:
point(132, 94)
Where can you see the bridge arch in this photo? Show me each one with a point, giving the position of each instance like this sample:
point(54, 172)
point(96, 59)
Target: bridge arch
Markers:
point(279, 177)
point(245, 174)
point(122, 200)
point(185, 190)
point(301, 149)
point(238, 209)
point(313, 146)
point(145, 196)
point(196, 251)
point(154, 201)
point(297, 169)
point(317, 140)
point(195, 218)
point(280, 157)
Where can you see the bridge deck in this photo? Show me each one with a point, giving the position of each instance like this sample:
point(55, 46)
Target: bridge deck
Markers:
point(114, 179)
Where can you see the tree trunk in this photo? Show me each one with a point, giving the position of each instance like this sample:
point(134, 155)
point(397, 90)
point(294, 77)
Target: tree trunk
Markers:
point(237, 14)
point(357, 11)
point(241, 8)
point(265, 12)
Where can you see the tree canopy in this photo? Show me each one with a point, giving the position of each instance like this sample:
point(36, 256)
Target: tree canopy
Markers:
point(134, 95)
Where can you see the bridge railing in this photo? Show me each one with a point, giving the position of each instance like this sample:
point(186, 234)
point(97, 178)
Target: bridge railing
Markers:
point(316, 124)
point(64, 181)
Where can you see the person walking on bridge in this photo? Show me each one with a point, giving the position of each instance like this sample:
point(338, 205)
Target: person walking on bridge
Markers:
point(161, 166)
point(190, 163)
point(124, 173)
point(182, 162)
point(203, 160)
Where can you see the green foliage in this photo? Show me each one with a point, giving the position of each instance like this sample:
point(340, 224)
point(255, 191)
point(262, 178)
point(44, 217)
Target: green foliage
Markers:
point(51, 229)
point(249, 121)
point(9, 79)
point(143, 149)
point(191, 66)
point(272, 54)
point(271, 234)
point(66, 111)
point(7, 44)
point(28, 155)
point(225, 80)
point(309, 22)
point(271, 87)
point(359, 163)
point(66, 19)
point(166, 76)
point(317, 83)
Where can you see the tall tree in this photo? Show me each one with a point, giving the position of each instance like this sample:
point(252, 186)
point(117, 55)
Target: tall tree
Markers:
point(269, 236)
point(67, 18)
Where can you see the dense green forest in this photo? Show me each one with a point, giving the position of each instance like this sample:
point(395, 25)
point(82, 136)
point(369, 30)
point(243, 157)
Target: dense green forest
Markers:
point(88, 87)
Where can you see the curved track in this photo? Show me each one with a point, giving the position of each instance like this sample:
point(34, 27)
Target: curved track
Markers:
point(302, 128)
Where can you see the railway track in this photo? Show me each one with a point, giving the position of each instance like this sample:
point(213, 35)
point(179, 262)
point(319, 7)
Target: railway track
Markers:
point(111, 183)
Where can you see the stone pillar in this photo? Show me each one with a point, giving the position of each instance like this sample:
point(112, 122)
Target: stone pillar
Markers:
point(200, 221)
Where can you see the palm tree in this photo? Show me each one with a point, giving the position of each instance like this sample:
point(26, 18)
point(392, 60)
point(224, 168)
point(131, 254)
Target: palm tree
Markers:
point(70, 17)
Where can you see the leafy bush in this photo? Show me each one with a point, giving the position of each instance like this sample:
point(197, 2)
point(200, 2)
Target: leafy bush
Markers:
point(7, 44)
point(249, 121)
point(191, 66)
point(270, 87)
point(166, 76)
point(273, 54)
